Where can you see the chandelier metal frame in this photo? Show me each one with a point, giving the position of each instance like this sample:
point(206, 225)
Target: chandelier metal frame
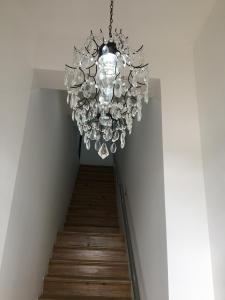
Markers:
point(106, 85)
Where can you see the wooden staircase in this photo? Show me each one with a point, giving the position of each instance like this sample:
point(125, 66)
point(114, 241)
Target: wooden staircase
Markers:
point(89, 259)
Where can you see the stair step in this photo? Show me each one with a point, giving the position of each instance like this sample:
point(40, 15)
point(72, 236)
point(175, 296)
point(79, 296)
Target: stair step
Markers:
point(97, 229)
point(98, 169)
point(81, 298)
point(89, 270)
point(85, 240)
point(88, 262)
point(94, 212)
point(96, 221)
point(90, 203)
point(62, 286)
point(93, 204)
point(97, 179)
point(103, 234)
point(93, 254)
point(93, 181)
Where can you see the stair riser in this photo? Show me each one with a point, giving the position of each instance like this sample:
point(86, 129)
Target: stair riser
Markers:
point(92, 205)
point(100, 203)
point(87, 289)
point(91, 255)
point(119, 272)
point(91, 229)
point(92, 221)
point(89, 241)
point(73, 212)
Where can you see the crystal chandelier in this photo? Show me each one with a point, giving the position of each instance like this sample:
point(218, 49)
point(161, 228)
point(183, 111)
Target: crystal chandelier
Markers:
point(106, 84)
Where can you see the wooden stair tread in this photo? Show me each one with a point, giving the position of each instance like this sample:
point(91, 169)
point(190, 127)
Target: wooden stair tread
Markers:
point(98, 229)
point(86, 280)
point(82, 270)
point(89, 254)
point(88, 262)
point(91, 248)
point(81, 298)
point(87, 241)
point(100, 234)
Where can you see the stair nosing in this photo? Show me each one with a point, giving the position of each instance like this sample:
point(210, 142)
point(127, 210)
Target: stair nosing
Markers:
point(106, 234)
point(86, 262)
point(77, 279)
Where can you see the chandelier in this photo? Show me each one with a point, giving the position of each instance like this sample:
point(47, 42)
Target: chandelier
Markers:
point(106, 84)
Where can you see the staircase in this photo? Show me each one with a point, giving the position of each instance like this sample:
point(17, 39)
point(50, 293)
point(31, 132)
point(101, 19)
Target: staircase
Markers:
point(89, 259)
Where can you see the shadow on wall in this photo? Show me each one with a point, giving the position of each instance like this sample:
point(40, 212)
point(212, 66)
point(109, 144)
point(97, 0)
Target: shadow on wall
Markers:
point(44, 183)
point(140, 166)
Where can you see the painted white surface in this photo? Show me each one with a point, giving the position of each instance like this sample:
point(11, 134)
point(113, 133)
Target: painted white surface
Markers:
point(17, 43)
point(189, 259)
point(44, 184)
point(140, 166)
point(210, 75)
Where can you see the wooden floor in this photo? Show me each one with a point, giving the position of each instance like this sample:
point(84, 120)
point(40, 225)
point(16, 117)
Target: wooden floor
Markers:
point(89, 259)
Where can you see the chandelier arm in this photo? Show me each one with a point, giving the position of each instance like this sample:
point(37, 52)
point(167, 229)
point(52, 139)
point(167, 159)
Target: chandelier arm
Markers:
point(96, 70)
point(140, 83)
point(87, 50)
point(94, 40)
point(139, 67)
point(139, 49)
point(83, 74)
point(74, 68)
point(129, 76)
point(76, 85)
point(91, 66)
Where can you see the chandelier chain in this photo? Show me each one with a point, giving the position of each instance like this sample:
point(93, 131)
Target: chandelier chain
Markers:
point(111, 18)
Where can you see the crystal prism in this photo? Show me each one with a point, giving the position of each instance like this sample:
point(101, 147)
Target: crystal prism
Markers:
point(116, 136)
point(97, 145)
point(122, 139)
point(139, 115)
point(68, 99)
point(88, 144)
point(118, 88)
point(103, 152)
point(113, 148)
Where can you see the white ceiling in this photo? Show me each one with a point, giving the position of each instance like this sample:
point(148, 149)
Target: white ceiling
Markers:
point(158, 24)
point(172, 20)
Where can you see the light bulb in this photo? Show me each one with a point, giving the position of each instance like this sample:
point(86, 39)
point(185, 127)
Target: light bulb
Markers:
point(106, 75)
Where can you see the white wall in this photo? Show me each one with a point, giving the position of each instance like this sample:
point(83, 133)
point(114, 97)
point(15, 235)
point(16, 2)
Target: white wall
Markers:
point(210, 75)
point(16, 78)
point(189, 260)
point(188, 248)
point(141, 169)
point(44, 183)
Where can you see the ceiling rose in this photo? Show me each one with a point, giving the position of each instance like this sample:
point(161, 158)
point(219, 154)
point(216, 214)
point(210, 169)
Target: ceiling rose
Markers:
point(107, 84)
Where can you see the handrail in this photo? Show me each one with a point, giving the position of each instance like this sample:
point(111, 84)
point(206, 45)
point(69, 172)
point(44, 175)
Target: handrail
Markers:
point(133, 272)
